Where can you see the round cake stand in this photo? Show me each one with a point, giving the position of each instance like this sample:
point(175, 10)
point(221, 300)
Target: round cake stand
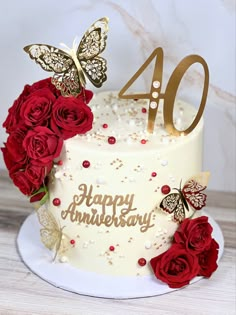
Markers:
point(62, 275)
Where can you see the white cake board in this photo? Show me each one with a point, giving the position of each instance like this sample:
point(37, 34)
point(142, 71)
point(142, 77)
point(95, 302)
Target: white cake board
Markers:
point(62, 275)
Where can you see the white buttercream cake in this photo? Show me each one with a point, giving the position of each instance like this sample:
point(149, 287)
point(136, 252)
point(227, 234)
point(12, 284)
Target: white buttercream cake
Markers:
point(107, 185)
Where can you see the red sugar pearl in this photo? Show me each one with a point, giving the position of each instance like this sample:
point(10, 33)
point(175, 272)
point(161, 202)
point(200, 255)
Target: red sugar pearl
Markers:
point(56, 202)
point(142, 262)
point(144, 110)
point(165, 189)
point(143, 141)
point(154, 174)
point(86, 164)
point(72, 242)
point(60, 162)
point(111, 140)
point(111, 248)
point(105, 126)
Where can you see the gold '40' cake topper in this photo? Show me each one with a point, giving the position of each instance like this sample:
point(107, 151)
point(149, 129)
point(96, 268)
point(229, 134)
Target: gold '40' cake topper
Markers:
point(70, 70)
point(169, 95)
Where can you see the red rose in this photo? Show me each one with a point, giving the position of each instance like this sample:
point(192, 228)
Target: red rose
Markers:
point(7, 158)
point(14, 145)
point(36, 173)
point(20, 179)
point(176, 266)
point(194, 234)
point(85, 95)
point(71, 116)
point(14, 117)
point(36, 109)
point(42, 145)
point(45, 83)
point(208, 259)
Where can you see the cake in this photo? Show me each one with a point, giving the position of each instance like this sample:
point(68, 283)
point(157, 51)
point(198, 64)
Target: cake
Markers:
point(106, 195)
point(117, 181)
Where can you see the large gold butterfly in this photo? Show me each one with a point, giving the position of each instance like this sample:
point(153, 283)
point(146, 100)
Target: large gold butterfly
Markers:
point(51, 234)
point(71, 68)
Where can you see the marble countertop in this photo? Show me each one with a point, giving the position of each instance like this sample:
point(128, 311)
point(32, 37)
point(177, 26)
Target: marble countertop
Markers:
point(22, 292)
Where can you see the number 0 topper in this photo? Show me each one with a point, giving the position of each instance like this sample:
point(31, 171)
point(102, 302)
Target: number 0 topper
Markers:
point(169, 96)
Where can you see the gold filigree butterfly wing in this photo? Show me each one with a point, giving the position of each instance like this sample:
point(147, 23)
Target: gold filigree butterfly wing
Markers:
point(52, 59)
point(179, 213)
point(51, 233)
point(193, 195)
point(50, 239)
point(173, 203)
point(170, 202)
point(193, 188)
point(91, 46)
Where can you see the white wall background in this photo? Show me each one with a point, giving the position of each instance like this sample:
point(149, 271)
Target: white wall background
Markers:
point(181, 27)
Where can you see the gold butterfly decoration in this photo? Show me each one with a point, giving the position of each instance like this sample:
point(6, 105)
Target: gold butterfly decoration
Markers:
point(71, 68)
point(190, 195)
point(51, 234)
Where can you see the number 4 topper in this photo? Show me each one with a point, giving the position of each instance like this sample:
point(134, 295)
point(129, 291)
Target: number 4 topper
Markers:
point(169, 96)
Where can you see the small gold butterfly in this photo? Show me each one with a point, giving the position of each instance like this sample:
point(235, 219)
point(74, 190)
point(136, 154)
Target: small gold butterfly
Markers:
point(191, 194)
point(70, 68)
point(51, 234)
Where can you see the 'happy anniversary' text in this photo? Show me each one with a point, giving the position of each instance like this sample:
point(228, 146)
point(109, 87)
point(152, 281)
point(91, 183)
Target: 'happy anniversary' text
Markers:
point(120, 206)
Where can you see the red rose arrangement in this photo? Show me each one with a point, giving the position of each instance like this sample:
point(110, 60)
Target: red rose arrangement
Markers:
point(193, 253)
point(38, 123)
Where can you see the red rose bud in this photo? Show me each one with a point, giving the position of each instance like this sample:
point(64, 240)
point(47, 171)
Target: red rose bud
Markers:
point(38, 197)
